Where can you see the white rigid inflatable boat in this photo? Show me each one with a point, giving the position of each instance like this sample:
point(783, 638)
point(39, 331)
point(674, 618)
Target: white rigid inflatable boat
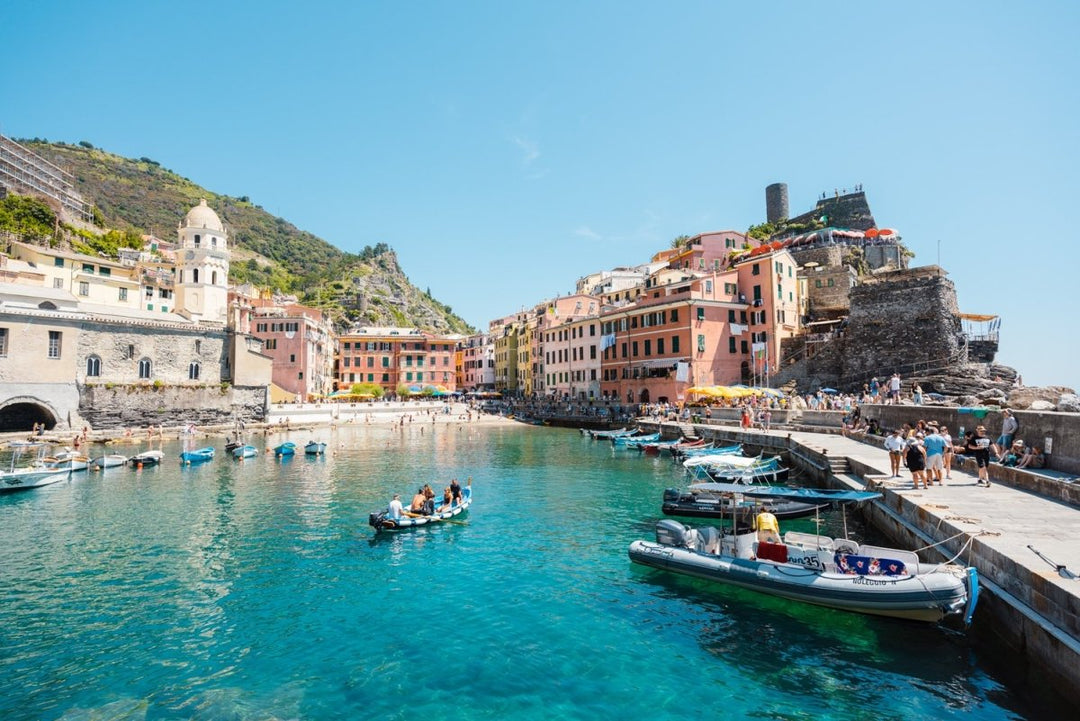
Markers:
point(816, 569)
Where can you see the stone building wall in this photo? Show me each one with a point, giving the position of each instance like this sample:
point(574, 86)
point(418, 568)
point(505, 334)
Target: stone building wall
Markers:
point(900, 319)
point(108, 406)
point(170, 348)
point(828, 291)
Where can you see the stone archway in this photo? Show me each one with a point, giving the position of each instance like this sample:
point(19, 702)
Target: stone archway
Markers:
point(644, 397)
point(21, 414)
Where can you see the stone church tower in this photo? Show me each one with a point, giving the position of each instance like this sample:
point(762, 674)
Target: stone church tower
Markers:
point(202, 265)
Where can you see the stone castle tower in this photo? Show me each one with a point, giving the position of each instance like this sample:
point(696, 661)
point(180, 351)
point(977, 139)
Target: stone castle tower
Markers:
point(202, 265)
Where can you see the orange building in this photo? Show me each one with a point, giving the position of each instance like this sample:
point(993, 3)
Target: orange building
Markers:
point(390, 357)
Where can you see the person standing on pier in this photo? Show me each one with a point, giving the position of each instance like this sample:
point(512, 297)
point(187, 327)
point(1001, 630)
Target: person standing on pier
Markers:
point(978, 446)
point(894, 444)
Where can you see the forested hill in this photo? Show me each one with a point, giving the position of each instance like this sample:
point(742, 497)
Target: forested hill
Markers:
point(366, 288)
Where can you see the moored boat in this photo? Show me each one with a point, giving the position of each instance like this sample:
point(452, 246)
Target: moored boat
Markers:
point(109, 460)
point(315, 448)
point(635, 441)
point(21, 479)
point(198, 455)
point(609, 434)
point(836, 573)
point(725, 500)
point(67, 460)
point(245, 451)
point(146, 458)
point(383, 521)
point(287, 448)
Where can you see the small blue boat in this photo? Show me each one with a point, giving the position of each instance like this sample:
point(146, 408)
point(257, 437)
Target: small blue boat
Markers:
point(315, 448)
point(285, 449)
point(245, 452)
point(198, 455)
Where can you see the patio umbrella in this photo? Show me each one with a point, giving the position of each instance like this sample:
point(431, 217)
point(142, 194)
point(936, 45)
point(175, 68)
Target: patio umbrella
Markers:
point(829, 390)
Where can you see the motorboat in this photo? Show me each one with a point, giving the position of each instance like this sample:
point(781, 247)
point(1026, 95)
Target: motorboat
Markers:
point(835, 573)
point(382, 521)
point(596, 435)
point(198, 455)
point(635, 441)
point(146, 458)
point(245, 451)
point(726, 500)
point(287, 448)
point(20, 479)
point(315, 448)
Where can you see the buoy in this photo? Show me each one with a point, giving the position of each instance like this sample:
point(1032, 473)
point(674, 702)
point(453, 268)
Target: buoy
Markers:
point(139, 464)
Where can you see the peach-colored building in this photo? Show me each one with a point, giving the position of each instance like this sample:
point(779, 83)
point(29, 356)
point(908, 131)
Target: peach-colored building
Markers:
point(718, 329)
point(390, 357)
point(572, 359)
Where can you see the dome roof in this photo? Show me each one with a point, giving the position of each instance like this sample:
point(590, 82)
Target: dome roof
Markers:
point(203, 216)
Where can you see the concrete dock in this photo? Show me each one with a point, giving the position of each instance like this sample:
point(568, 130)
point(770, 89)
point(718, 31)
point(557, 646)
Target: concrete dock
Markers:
point(1033, 605)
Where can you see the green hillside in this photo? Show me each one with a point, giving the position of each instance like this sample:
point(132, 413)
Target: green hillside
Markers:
point(134, 197)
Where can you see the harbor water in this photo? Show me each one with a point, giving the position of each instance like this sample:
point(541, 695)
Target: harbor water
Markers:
point(256, 590)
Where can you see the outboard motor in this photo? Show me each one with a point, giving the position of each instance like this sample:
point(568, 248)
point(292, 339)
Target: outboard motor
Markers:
point(671, 533)
point(375, 520)
point(671, 495)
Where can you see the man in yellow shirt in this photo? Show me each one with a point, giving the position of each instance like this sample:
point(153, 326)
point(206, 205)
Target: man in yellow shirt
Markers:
point(768, 529)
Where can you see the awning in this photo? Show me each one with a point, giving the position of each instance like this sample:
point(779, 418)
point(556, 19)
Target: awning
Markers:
point(976, 317)
point(659, 363)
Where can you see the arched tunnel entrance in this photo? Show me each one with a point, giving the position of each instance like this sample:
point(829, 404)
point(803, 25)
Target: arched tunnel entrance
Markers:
point(22, 417)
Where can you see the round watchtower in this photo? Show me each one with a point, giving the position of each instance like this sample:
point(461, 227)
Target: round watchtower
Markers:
point(776, 202)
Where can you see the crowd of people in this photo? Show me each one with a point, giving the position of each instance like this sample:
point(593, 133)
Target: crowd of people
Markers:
point(928, 450)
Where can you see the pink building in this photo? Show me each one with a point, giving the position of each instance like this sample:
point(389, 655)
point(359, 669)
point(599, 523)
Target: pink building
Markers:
point(300, 341)
point(709, 252)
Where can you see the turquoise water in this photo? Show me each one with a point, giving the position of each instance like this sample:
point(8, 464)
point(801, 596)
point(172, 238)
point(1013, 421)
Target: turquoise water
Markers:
point(256, 590)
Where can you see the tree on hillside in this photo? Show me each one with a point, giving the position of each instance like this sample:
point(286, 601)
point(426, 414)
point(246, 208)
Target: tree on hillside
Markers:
point(681, 241)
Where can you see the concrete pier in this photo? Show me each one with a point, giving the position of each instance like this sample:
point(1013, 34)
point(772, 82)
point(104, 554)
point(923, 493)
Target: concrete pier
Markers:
point(1032, 606)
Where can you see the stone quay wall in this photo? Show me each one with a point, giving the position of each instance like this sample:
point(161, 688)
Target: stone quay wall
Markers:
point(109, 406)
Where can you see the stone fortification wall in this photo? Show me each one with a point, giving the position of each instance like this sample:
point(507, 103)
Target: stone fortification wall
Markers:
point(137, 406)
point(823, 255)
point(845, 211)
point(900, 319)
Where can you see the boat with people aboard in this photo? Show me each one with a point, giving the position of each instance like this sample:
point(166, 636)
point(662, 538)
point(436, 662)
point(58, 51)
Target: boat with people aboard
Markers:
point(396, 518)
point(287, 448)
point(836, 573)
point(245, 451)
point(199, 455)
point(315, 448)
point(718, 500)
point(147, 458)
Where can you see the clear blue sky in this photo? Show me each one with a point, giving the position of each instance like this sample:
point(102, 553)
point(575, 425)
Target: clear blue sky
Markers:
point(504, 149)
